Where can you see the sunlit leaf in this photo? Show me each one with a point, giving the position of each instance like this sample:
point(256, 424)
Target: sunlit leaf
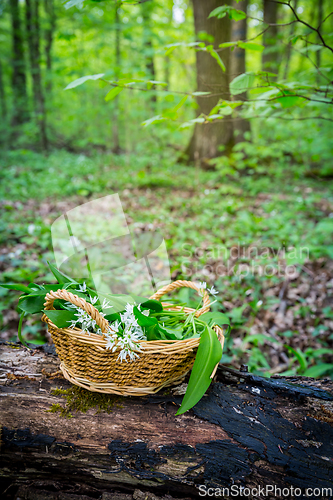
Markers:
point(113, 93)
point(154, 119)
point(83, 79)
point(198, 93)
point(251, 46)
point(242, 83)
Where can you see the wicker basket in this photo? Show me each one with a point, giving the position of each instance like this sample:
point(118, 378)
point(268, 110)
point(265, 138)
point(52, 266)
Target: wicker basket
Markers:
point(86, 362)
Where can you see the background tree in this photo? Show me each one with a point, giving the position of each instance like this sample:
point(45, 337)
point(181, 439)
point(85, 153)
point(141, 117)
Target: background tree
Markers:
point(147, 9)
point(116, 113)
point(238, 66)
point(33, 38)
point(20, 112)
point(269, 55)
point(3, 103)
point(50, 25)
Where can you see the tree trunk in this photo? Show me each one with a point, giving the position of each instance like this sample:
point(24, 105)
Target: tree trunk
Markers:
point(115, 125)
point(288, 51)
point(2, 96)
point(33, 37)
point(248, 431)
point(21, 113)
point(208, 137)
point(238, 67)
point(270, 53)
point(49, 34)
point(320, 20)
point(146, 10)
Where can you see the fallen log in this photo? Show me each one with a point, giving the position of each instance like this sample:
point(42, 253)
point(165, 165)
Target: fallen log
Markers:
point(60, 442)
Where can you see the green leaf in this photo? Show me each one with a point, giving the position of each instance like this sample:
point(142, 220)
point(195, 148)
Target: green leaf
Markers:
point(83, 79)
point(228, 44)
point(179, 105)
point(318, 370)
point(154, 119)
point(251, 46)
point(16, 286)
point(219, 12)
point(222, 11)
point(295, 38)
point(33, 303)
point(200, 119)
point(62, 319)
point(72, 3)
point(200, 93)
point(111, 318)
point(170, 48)
point(242, 83)
point(215, 318)
point(299, 355)
point(208, 355)
point(19, 330)
point(236, 15)
point(288, 99)
point(152, 305)
point(150, 325)
point(217, 58)
point(113, 93)
point(59, 276)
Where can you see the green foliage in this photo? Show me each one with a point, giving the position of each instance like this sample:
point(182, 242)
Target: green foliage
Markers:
point(222, 11)
point(272, 191)
point(208, 355)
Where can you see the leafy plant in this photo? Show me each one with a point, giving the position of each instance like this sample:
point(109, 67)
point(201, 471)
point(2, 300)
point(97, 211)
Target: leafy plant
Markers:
point(129, 324)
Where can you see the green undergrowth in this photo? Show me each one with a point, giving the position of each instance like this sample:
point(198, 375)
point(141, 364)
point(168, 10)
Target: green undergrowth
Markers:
point(78, 399)
point(206, 218)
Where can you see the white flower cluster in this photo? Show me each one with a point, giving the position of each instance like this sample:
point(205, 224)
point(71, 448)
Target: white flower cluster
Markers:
point(126, 335)
point(203, 287)
point(87, 324)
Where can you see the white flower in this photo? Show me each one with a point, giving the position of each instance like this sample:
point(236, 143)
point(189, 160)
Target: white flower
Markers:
point(83, 288)
point(93, 300)
point(111, 341)
point(116, 325)
point(124, 335)
point(202, 286)
point(106, 304)
point(87, 324)
point(213, 291)
point(69, 304)
point(129, 308)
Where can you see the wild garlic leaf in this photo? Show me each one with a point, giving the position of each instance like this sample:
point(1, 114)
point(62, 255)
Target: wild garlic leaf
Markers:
point(59, 276)
point(208, 355)
point(62, 319)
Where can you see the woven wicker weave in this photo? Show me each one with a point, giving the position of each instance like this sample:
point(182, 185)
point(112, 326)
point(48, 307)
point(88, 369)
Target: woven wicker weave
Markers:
point(86, 362)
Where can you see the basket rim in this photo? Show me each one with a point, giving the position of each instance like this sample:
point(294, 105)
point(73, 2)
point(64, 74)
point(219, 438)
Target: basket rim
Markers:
point(147, 346)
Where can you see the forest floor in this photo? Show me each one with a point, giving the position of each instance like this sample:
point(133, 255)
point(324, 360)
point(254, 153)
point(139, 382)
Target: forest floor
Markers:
point(265, 242)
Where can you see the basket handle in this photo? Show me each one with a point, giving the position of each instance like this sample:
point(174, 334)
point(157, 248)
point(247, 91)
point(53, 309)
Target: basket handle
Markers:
point(187, 284)
point(79, 302)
